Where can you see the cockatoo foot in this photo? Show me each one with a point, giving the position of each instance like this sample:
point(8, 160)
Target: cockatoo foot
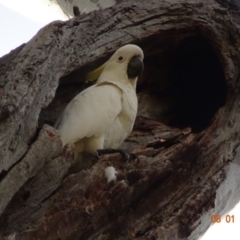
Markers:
point(126, 156)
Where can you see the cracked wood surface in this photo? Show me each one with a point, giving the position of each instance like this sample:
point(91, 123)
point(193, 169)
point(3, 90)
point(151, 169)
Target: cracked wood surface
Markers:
point(175, 181)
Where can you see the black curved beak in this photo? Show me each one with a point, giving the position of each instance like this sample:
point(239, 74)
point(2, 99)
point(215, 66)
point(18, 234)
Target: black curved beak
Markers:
point(135, 67)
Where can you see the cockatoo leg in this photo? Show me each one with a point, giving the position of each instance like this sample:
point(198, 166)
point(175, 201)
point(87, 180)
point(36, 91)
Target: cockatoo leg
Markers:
point(126, 156)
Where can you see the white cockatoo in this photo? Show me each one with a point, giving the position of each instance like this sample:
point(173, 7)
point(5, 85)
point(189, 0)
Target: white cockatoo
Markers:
point(102, 116)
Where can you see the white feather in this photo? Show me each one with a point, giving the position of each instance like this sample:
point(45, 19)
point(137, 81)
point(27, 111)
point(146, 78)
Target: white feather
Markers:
point(110, 174)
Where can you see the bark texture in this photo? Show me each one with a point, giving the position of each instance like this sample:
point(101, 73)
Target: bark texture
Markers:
point(185, 169)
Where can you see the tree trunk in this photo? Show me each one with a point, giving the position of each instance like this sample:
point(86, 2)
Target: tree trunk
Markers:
point(186, 134)
point(76, 7)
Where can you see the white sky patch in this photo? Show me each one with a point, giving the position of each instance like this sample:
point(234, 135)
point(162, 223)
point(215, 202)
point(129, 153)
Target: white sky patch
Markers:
point(227, 197)
point(110, 174)
point(228, 228)
point(16, 28)
point(43, 11)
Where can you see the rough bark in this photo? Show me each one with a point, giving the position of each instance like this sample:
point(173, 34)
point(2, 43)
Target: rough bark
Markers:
point(75, 7)
point(184, 172)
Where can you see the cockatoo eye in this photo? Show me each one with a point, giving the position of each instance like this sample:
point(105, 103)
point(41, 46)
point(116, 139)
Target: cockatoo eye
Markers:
point(121, 59)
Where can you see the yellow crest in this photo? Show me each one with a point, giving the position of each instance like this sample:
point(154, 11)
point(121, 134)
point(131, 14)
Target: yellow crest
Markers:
point(94, 75)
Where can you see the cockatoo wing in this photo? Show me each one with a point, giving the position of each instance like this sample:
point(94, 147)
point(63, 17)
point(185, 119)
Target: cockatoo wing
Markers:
point(90, 113)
